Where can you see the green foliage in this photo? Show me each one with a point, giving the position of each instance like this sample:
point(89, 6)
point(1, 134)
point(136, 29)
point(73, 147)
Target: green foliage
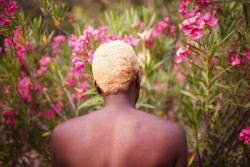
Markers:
point(211, 103)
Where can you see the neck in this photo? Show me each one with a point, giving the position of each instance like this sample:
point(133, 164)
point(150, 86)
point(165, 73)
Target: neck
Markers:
point(119, 100)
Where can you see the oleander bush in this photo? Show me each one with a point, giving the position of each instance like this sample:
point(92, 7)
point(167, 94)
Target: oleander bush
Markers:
point(194, 63)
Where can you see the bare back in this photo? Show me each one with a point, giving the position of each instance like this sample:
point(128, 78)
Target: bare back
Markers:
point(118, 138)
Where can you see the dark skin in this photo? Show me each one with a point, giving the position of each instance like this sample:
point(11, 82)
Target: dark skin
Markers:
point(119, 136)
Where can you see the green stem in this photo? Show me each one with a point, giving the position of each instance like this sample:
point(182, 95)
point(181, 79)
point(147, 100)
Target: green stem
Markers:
point(208, 93)
point(66, 90)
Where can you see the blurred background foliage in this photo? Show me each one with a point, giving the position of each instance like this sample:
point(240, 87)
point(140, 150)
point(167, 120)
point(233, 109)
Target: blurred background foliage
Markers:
point(210, 101)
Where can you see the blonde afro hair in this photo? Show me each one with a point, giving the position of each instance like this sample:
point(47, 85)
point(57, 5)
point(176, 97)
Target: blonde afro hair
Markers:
point(114, 67)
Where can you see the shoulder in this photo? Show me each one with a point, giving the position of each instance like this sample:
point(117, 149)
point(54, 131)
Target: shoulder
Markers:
point(169, 132)
point(70, 128)
point(165, 126)
point(166, 130)
point(174, 139)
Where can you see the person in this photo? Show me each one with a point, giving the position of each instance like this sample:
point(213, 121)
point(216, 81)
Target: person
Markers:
point(118, 135)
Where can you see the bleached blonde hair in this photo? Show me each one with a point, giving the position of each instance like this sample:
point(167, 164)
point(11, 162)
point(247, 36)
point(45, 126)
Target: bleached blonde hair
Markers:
point(114, 67)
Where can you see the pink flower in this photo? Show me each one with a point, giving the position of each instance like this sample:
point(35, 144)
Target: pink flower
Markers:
point(11, 8)
point(8, 113)
point(230, 51)
point(183, 5)
point(110, 37)
point(51, 114)
point(39, 72)
point(43, 63)
point(74, 96)
point(56, 42)
point(140, 24)
point(70, 81)
point(8, 117)
point(209, 20)
point(131, 40)
point(79, 66)
point(190, 13)
point(10, 122)
point(193, 27)
point(7, 89)
point(86, 76)
point(234, 60)
point(4, 21)
point(190, 153)
point(30, 48)
point(180, 56)
point(7, 42)
point(88, 30)
point(150, 42)
point(99, 33)
point(172, 28)
point(245, 135)
point(38, 89)
point(160, 27)
point(174, 108)
point(23, 89)
point(83, 87)
point(72, 41)
point(58, 107)
point(90, 55)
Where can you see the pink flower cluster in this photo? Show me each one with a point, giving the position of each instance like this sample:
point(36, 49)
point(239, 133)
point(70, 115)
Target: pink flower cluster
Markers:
point(199, 6)
point(7, 89)
point(55, 44)
point(43, 62)
point(84, 46)
point(193, 27)
point(7, 10)
point(139, 24)
point(82, 50)
point(234, 60)
point(51, 114)
point(70, 82)
point(83, 88)
point(23, 88)
point(245, 135)
point(131, 40)
point(237, 60)
point(195, 22)
point(8, 118)
point(162, 27)
point(21, 46)
point(183, 54)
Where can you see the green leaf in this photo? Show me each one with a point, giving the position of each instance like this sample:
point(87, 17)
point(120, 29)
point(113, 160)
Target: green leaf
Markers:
point(151, 21)
point(216, 77)
point(208, 149)
point(224, 39)
point(247, 105)
point(145, 106)
point(95, 100)
point(157, 65)
point(188, 94)
point(194, 47)
point(247, 36)
point(89, 92)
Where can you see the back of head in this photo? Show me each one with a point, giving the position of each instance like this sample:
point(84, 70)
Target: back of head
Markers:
point(114, 67)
